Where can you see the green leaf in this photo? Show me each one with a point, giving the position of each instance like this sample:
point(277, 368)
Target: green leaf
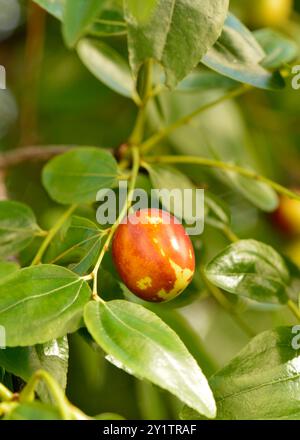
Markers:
point(238, 55)
point(38, 304)
point(252, 269)
point(175, 33)
point(77, 245)
point(105, 28)
point(261, 382)
point(77, 176)
point(278, 48)
point(138, 341)
point(219, 133)
point(164, 177)
point(199, 81)
point(218, 213)
point(107, 65)
point(34, 411)
point(258, 193)
point(17, 227)
point(110, 23)
point(25, 361)
point(7, 268)
point(54, 7)
point(109, 416)
point(78, 16)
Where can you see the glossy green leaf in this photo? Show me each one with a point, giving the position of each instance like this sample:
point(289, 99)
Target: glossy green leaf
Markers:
point(279, 49)
point(107, 65)
point(238, 55)
point(176, 33)
point(138, 341)
point(261, 382)
point(77, 245)
point(34, 411)
point(17, 227)
point(187, 201)
point(41, 303)
point(54, 7)
point(77, 176)
point(25, 361)
point(252, 269)
point(7, 268)
point(78, 16)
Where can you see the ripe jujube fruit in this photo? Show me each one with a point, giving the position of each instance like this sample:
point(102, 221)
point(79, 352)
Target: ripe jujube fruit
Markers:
point(153, 255)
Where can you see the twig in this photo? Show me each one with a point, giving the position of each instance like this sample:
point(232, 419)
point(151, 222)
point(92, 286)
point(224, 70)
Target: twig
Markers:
point(35, 153)
point(51, 234)
point(164, 132)
point(294, 309)
point(225, 166)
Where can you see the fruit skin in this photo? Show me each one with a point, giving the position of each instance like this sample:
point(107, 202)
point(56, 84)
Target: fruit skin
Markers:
point(270, 12)
point(287, 216)
point(154, 257)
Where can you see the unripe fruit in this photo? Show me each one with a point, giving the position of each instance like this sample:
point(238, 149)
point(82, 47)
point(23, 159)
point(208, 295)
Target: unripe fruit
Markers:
point(270, 12)
point(153, 255)
point(287, 216)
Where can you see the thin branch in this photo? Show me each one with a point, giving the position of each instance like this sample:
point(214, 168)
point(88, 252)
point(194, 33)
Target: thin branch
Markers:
point(35, 153)
point(164, 132)
point(225, 166)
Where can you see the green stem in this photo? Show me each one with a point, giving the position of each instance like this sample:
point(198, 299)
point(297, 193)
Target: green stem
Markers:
point(134, 140)
point(227, 231)
point(223, 301)
point(134, 174)
point(5, 393)
point(28, 393)
point(51, 234)
point(164, 132)
point(294, 309)
point(138, 130)
point(196, 160)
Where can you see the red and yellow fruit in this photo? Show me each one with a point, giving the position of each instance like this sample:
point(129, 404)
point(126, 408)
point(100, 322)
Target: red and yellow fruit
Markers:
point(153, 255)
point(287, 216)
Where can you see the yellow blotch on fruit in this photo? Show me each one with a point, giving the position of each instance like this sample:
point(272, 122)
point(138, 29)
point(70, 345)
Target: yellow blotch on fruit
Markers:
point(183, 279)
point(144, 283)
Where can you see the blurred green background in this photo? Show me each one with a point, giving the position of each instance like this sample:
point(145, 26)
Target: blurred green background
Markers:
point(53, 100)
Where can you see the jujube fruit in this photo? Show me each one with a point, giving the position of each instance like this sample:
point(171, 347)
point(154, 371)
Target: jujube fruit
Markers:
point(153, 255)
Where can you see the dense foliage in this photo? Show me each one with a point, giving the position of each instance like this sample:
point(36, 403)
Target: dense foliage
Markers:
point(63, 308)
